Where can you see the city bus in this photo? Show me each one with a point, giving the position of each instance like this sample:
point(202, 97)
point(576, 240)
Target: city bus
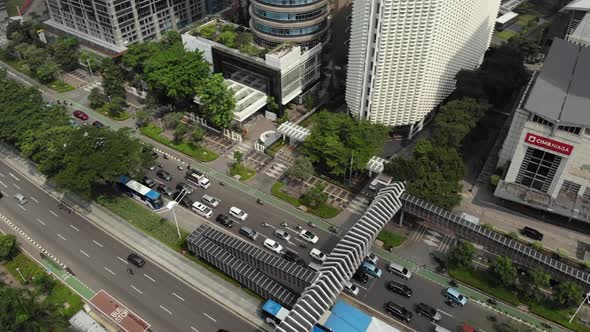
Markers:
point(140, 192)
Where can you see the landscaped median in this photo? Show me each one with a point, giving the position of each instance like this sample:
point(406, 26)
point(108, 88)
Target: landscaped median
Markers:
point(324, 211)
point(201, 154)
point(390, 239)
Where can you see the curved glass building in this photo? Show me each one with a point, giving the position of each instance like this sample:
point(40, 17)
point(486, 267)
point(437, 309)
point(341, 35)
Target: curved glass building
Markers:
point(301, 22)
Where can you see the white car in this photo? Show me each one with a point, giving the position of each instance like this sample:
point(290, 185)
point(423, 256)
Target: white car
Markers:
point(272, 245)
point(309, 236)
point(202, 210)
point(210, 200)
point(351, 289)
point(371, 257)
point(318, 255)
point(238, 213)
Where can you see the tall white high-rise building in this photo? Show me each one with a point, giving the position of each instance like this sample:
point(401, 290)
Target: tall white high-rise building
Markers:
point(404, 55)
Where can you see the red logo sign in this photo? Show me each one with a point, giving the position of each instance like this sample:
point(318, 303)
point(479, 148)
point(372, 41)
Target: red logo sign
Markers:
point(548, 144)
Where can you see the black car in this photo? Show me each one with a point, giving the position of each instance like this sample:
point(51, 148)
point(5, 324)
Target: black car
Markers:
point(97, 124)
point(532, 233)
point(224, 220)
point(165, 190)
point(399, 311)
point(398, 287)
point(162, 174)
point(183, 186)
point(427, 311)
point(149, 182)
point(290, 255)
point(186, 201)
point(361, 277)
point(136, 260)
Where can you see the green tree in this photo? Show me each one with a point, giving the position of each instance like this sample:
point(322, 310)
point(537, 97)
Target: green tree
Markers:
point(112, 79)
point(172, 120)
point(46, 72)
point(461, 255)
point(180, 132)
point(502, 272)
point(315, 196)
point(113, 109)
point(336, 140)
point(244, 39)
point(271, 104)
point(138, 54)
point(238, 156)
point(503, 74)
point(21, 310)
point(197, 135)
point(96, 98)
point(567, 294)
point(469, 84)
point(301, 170)
point(171, 37)
point(535, 280)
point(65, 52)
point(34, 56)
point(7, 246)
point(218, 101)
point(45, 283)
point(456, 119)
point(228, 38)
point(175, 72)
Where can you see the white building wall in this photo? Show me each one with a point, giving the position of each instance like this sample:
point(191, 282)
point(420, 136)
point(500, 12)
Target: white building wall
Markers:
point(420, 45)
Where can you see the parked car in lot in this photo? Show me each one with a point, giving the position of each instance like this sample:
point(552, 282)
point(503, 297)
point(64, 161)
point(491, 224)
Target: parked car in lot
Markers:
point(282, 234)
point(186, 201)
point(351, 289)
point(371, 269)
point(238, 213)
point(202, 210)
point(162, 174)
point(399, 311)
point(291, 255)
point(149, 182)
point(165, 190)
point(532, 233)
point(136, 260)
point(210, 200)
point(360, 276)
point(398, 287)
point(80, 115)
point(224, 220)
point(309, 236)
point(371, 257)
point(272, 245)
point(318, 255)
point(427, 311)
point(183, 186)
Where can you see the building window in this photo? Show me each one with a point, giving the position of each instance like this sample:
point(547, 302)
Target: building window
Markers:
point(573, 130)
point(542, 121)
point(538, 169)
point(570, 187)
point(587, 193)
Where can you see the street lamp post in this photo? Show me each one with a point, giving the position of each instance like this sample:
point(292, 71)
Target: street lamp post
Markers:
point(21, 275)
point(172, 206)
point(580, 307)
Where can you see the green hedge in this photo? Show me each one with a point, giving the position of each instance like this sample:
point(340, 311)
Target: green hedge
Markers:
point(479, 279)
point(201, 154)
point(324, 211)
point(390, 239)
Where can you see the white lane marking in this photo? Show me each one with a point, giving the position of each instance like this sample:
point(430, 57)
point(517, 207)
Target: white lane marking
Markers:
point(2, 175)
point(14, 177)
point(211, 318)
point(2, 183)
point(36, 201)
point(22, 207)
point(106, 268)
point(53, 213)
point(446, 313)
point(122, 260)
point(152, 279)
point(85, 254)
point(98, 244)
point(180, 298)
point(17, 187)
point(168, 311)
point(77, 230)
point(41, 221)
point(3, 193)
point(63, 238)
point(194, 329)
point(137, 290)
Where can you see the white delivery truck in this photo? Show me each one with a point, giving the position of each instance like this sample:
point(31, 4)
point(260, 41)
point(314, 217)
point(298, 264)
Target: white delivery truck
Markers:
point(380, 181)
point(198, 178)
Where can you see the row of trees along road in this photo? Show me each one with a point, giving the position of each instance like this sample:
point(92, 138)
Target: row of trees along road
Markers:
point(77, 159)
point(174, 76)
point(436, 166)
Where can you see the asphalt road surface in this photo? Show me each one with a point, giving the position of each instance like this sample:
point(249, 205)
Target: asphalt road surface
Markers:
point(101, 262)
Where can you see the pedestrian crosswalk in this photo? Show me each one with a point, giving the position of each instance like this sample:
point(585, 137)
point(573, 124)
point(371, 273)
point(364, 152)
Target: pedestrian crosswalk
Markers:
point(358, 204)
point(243, 147)
point(432, 238)
point(92, 85)
point(276, 169)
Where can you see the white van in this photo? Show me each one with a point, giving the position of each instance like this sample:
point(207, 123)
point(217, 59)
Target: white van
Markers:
point(238, 213)
point(399, 270)
point(440, 329)
point(202, 210)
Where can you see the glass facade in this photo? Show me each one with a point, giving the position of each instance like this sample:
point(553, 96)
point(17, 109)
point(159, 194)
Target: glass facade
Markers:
point(538, 169)
point(291, 31)
point(289, 3)
point(289, 17)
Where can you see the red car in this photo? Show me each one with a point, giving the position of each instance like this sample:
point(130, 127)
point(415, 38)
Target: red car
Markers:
point(81, 115)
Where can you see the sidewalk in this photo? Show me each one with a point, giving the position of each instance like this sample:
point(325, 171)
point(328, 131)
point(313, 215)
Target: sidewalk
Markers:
point(203, 281)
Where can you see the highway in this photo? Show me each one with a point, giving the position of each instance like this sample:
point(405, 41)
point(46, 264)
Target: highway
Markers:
point(100, 262)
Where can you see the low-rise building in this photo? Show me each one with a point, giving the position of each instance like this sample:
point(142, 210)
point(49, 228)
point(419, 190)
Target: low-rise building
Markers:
point(547, 150)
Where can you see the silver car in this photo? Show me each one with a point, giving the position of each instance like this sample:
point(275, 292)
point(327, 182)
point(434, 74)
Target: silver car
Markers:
point(282, 234)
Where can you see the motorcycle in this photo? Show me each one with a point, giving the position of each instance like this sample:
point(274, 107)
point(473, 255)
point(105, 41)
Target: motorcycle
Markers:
point(450, 303)
point(264, 224)
point(284, 224)
point(303, 245)
point(453, 283)
point(333, 229)
point(221, 183)
point(165, 156)
point(492, 301)
point(259, 201)
point(179, 167)
point(310, 224)
point(492, 318)
point(298, 227)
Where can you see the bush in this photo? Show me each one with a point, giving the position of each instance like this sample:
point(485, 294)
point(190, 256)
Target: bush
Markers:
point(323, 211)
point(537, 245)
point(315, 196)
point(494, 179)
point(513, 235)
point(390, 239)
point(461, 256)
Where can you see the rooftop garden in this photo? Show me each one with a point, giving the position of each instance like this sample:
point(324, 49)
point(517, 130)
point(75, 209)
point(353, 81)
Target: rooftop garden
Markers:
point(230, 35)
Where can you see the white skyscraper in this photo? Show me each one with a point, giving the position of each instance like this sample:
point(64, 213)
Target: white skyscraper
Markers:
point(404, 55)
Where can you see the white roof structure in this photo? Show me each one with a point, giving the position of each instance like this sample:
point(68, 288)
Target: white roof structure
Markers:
point(581, 34)
point(582, 5)
point(248, 100)
point(81, 321)
point(140, 188)
point(376, 164)
point(293, 131)
point(506, 17)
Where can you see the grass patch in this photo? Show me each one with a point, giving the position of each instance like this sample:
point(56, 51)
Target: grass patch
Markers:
point(561, 316)
point(147, 221)
point(20, 66)
point(201, 154)
point(275, 147)
point(525, 19)
point(390, 239)
point(479, 279)
point(11, 6)
point(60, 293)
point(505, 35)
point(60, 86)
point(244, 172)
point(121, 116)
point(324, 211)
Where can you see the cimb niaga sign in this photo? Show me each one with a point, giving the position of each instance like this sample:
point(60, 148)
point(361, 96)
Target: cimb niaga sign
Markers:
point(548, 144)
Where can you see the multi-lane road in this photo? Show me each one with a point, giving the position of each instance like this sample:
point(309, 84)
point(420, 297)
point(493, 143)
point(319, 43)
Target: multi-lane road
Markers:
point(101, 262)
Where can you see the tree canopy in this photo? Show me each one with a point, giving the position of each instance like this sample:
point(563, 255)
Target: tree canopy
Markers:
point(336, 139)
point(302, 169)
point(112, 79)
point(502, 271)
point(461, 255)
point(217, 99)
point(21, 310)
point(65, 52)
point(456, 119)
